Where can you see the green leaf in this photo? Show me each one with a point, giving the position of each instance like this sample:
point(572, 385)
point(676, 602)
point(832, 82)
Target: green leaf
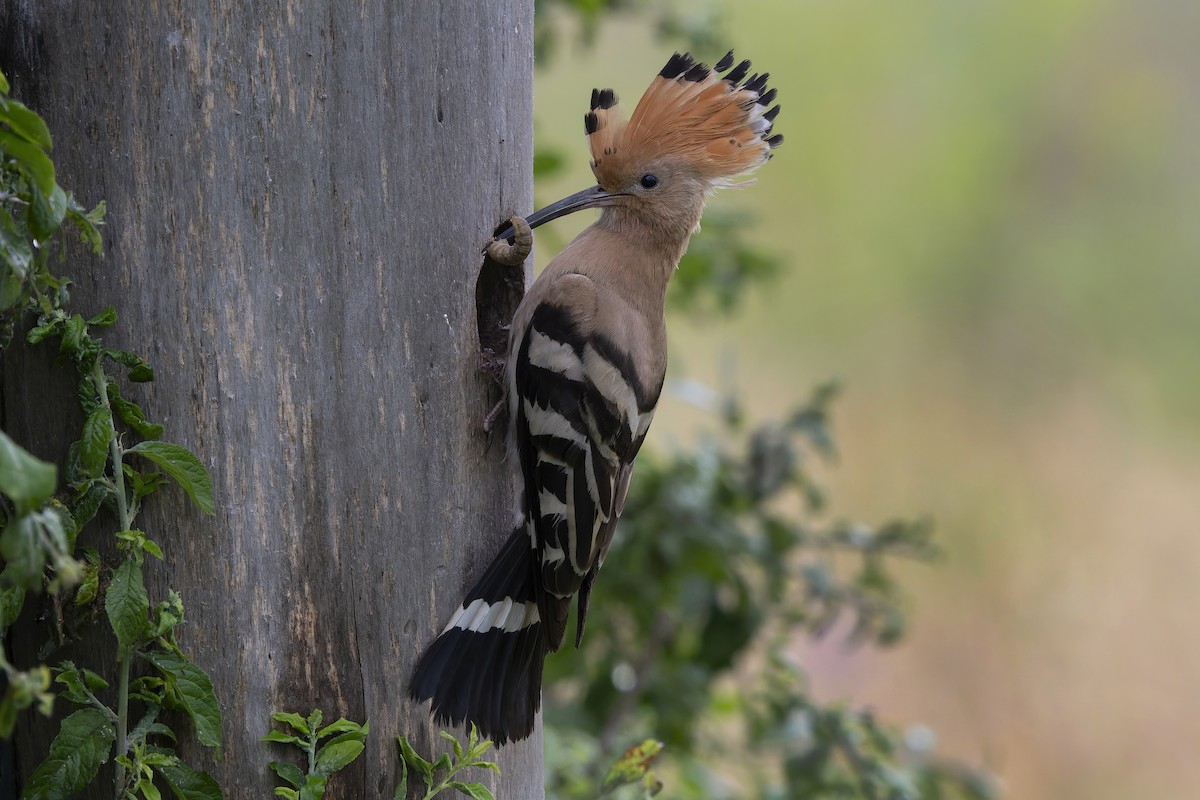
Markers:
point(24, 478)
point(152, 548)
point(127, 604)
point(314, 787)
point(401, 792)
point(3, 84)
point(148, 790)
point(72, 679)
point(81, 746)
point(10, 295)
point(281, 738)
point(31, 160)
point(286, 793)
point(444, 763)
point(147, 725)
point(40, 332)
point(184, 467)
point(336, 755)
point(168, 614)
point(75, 328)
point(93, 446)
point(314, 719)
point(94, 681)
point(477, 747)
point(89, 503)
point(142, 483)
point(45, 212)
point(27, 124)
point(414, 760)
point(60, 524)
point(295, 720)
point(475, 790)
point(288, 772)
point(8, 715)
point(22, 549)
point(29, 540)
point(158, 757)
point(450, 737)
point(196, 690)
point(87, 224)
point(14, 247)
point(11, 601)
point(341, 726)
point(190, 784)
point(105, 318)
point(72, 682)
point(132, 415)
point(89, 586)
point(151, 691)
point(633, 765)
point(351, 736)
point(140, 370)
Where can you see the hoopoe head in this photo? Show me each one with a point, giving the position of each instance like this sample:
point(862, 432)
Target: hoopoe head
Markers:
point(694, 130)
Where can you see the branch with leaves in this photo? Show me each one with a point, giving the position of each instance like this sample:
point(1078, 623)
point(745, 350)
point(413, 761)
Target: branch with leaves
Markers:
point(117, 463)
point(345, 743)
point(442, 775)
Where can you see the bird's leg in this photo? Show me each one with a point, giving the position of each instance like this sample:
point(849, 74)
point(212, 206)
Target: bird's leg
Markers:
point(512, 255)
point(492, 365)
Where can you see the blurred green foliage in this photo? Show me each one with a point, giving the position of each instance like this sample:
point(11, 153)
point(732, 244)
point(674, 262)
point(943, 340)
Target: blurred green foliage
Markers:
point(724, 558)
point(720, 565)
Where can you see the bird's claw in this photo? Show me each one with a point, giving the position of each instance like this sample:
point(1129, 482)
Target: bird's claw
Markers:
point(492, 365)
point(514, 254)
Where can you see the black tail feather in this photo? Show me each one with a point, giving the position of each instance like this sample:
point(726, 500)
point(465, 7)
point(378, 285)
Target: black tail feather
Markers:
point(486, 667)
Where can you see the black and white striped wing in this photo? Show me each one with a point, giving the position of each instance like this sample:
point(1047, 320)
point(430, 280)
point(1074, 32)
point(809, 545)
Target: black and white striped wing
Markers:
point(580, 421)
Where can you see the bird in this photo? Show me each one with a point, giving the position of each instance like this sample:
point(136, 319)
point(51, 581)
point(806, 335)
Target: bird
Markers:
point(586, 362)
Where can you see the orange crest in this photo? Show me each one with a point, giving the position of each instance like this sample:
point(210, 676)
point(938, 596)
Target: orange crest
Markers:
point(720, 124)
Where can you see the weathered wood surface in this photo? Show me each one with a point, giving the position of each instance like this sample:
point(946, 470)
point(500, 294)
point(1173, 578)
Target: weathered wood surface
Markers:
point(298, 194)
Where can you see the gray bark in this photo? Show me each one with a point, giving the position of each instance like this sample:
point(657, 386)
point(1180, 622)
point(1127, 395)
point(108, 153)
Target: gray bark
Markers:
point(298, 194)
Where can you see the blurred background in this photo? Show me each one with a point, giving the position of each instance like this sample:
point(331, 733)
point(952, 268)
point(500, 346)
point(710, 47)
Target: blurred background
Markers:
point(987, 221)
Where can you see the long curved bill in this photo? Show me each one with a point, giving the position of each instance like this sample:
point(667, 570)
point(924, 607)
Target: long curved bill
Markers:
point(594, 197)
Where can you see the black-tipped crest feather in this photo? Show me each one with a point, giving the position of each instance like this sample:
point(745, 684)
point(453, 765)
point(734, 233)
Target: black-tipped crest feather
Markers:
point(676, 66)
point(683, 114)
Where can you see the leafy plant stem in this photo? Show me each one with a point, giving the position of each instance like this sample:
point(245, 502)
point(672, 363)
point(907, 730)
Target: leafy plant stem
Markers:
point(103, 709)
point(441, 787)
point(100, 381)
point(122, 720)
point(312, 750)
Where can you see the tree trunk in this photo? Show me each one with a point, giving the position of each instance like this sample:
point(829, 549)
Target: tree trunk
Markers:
point(297, 199)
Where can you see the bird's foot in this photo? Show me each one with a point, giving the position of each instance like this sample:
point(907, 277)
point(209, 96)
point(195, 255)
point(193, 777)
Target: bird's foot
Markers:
point(514, 254)
point(492, 365)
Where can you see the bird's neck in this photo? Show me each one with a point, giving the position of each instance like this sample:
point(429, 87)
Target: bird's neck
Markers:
point(627, 261)
point(660, 240)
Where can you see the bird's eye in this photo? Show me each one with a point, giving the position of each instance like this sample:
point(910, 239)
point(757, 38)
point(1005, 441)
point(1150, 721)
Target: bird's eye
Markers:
point(649, 180)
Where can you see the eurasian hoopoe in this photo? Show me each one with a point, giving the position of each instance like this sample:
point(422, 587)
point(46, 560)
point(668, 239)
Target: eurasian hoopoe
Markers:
point(587, 355)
